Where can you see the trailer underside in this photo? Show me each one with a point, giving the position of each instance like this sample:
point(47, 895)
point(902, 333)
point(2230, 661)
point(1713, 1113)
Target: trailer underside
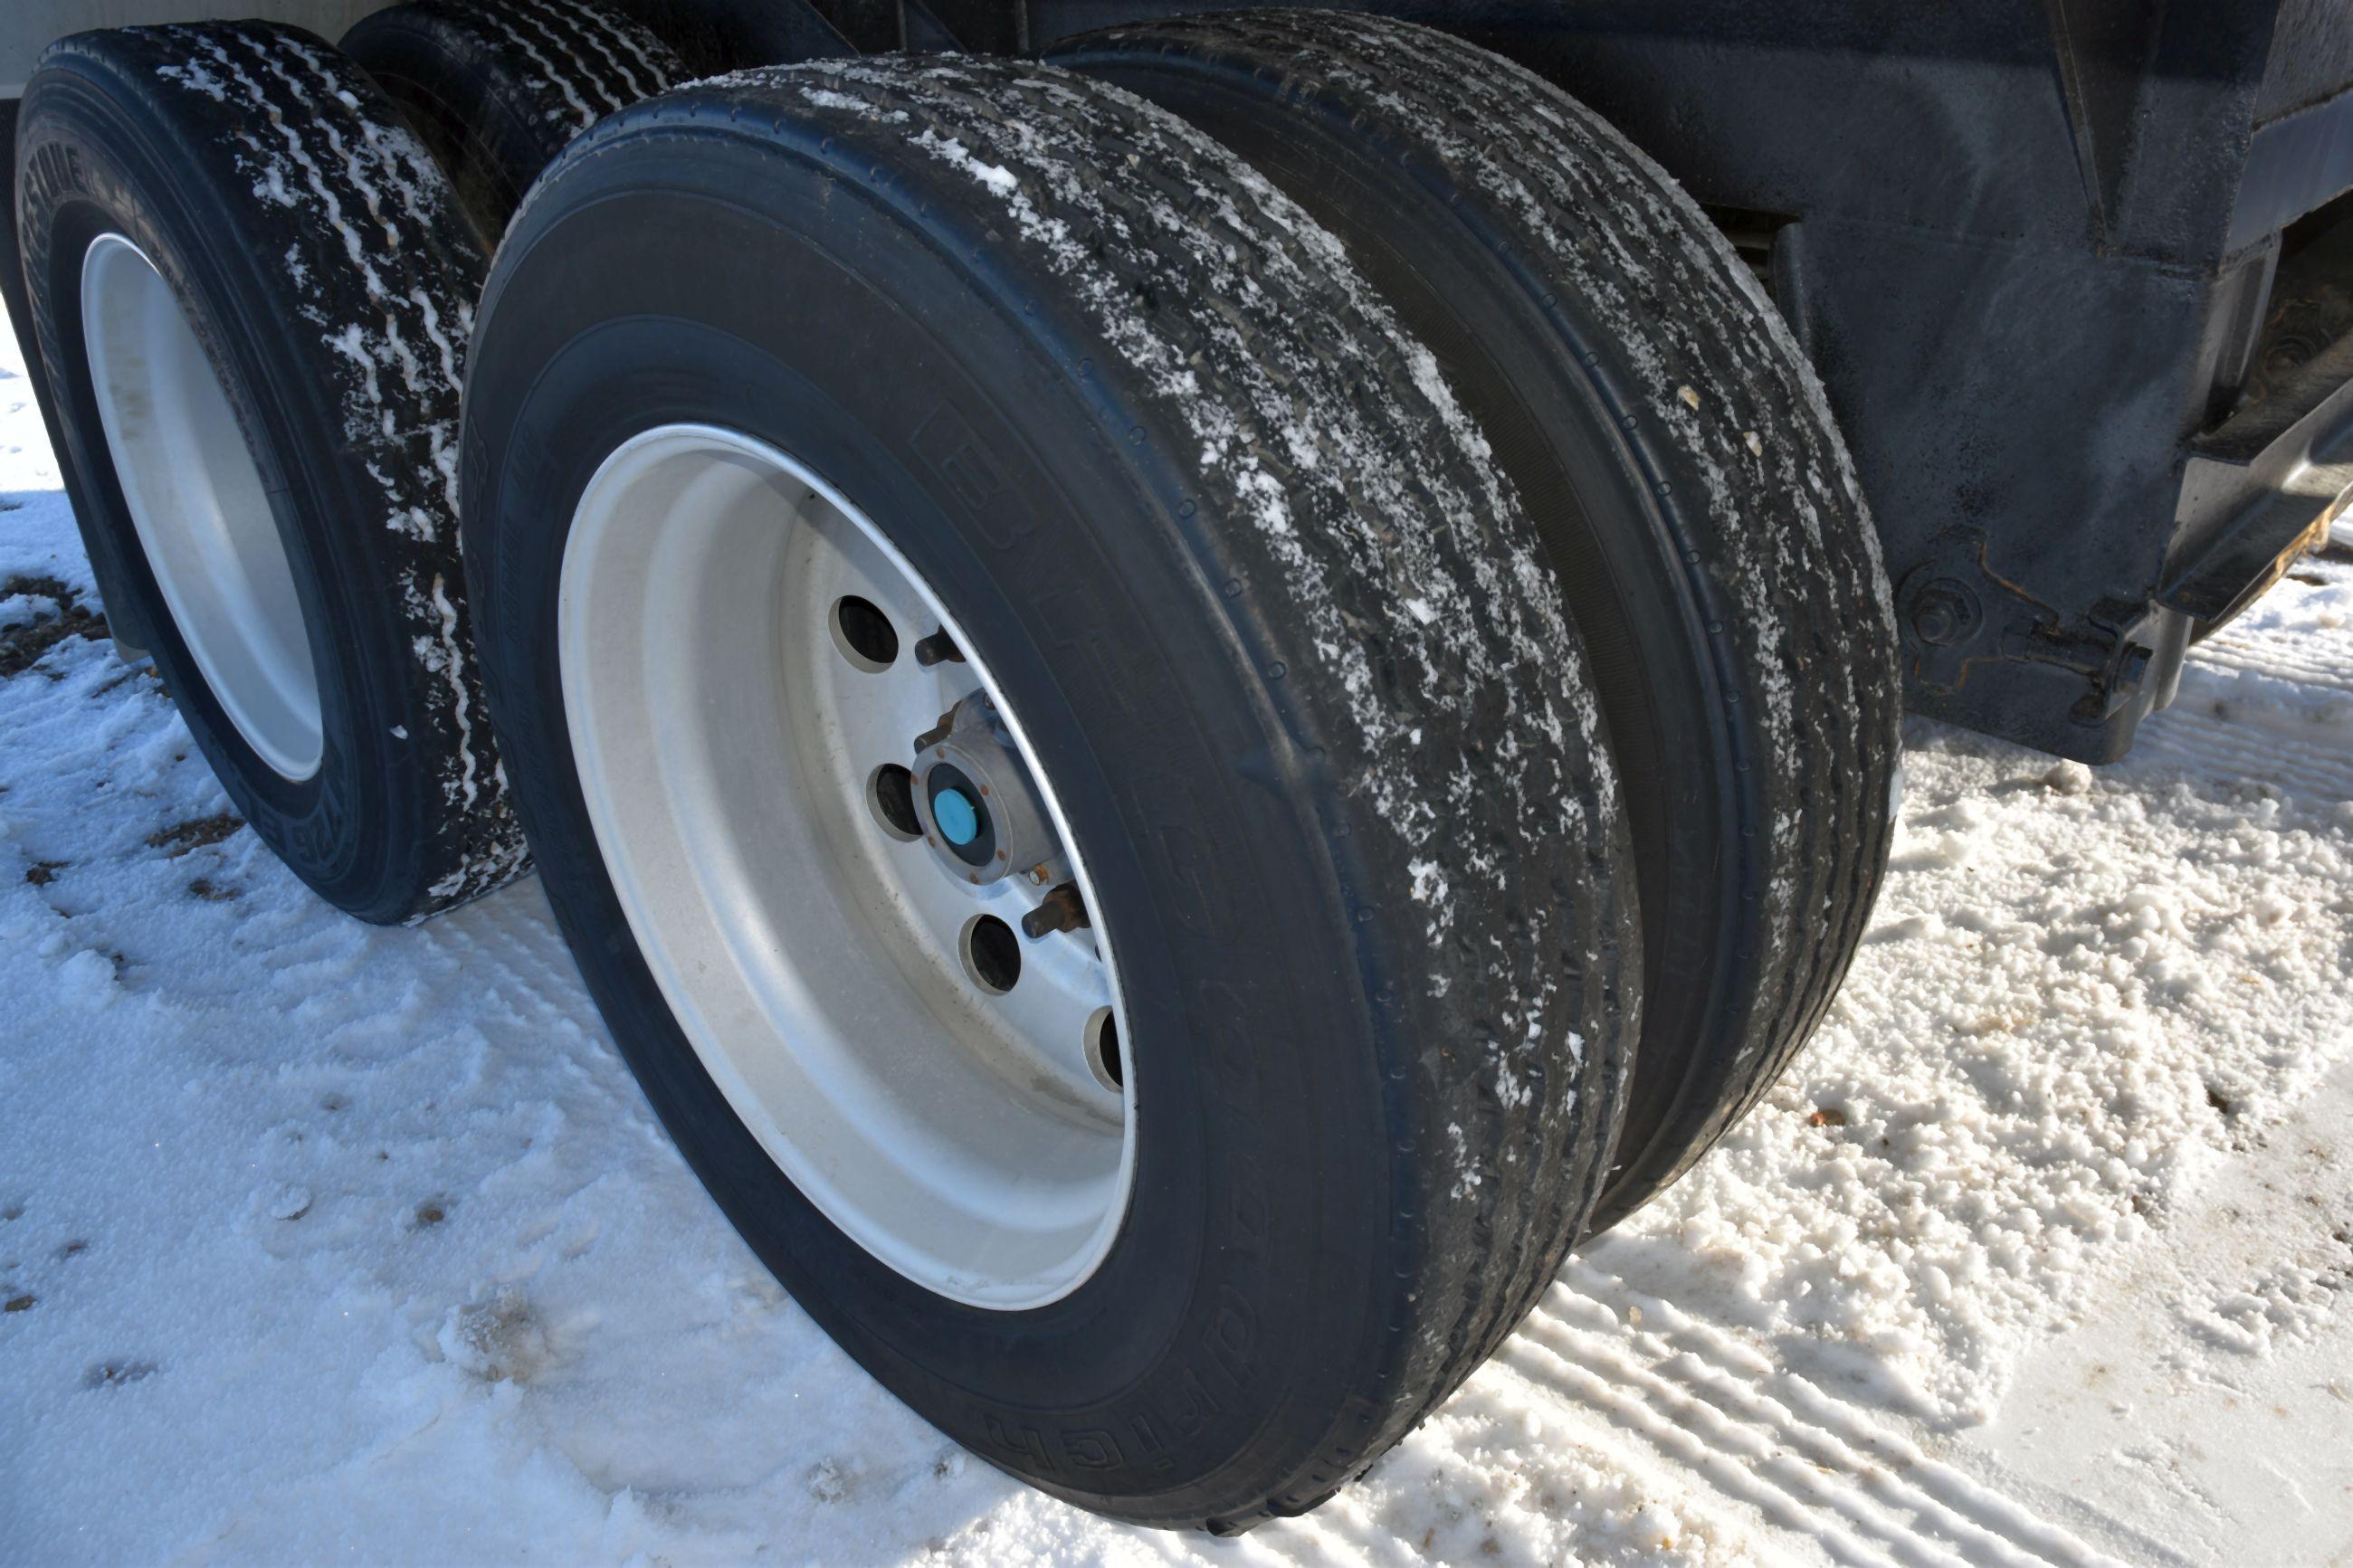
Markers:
point(2072, 274)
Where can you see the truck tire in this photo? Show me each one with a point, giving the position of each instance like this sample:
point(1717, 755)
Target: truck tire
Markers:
point(496, 89)
point(252, 291)
point(981, 391)
point(1693, 492)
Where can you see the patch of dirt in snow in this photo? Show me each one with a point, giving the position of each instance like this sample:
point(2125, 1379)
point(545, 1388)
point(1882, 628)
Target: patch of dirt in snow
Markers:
point(2090, 1000)
point(201, 833)
point(37, 613)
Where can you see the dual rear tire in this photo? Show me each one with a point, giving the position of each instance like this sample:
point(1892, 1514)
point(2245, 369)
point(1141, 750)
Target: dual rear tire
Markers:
point(1236, 589)
point(1283, 613)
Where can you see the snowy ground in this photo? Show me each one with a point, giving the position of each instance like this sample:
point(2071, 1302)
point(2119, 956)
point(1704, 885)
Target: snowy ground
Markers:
point(319, 1240)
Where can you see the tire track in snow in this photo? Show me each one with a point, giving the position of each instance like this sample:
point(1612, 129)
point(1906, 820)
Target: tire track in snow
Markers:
point(1731, 1397)
point(1800, 1506)
point(2324, 666)
point(528, 957)
point(2228, 745)
point(2270, 697)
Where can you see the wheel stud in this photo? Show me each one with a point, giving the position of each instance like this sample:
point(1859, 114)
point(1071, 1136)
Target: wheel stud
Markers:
point(937, 647)
point(1062, 911)
point(933, 736)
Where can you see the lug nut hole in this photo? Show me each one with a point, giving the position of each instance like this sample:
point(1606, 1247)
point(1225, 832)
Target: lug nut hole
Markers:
point(992, 954)
point(1102, 1050)
point(864, 634)
point(891, 792)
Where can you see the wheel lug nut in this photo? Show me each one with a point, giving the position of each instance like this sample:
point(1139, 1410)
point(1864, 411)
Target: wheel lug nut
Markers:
point(1062, 911)
point(937, 647)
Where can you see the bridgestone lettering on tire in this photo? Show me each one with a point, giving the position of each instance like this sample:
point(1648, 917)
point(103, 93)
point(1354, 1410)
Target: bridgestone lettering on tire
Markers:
point(1691, 490)
point(287, 293)
point(496, 89)
point(1281, 643)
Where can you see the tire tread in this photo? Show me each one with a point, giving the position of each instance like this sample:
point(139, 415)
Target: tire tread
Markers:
point(1780, 545)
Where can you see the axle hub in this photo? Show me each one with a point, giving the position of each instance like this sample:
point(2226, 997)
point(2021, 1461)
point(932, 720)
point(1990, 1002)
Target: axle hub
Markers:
point(980, 811)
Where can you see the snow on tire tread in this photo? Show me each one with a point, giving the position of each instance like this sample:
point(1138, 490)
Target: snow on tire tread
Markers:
point(1792, 557)
point(391, 276)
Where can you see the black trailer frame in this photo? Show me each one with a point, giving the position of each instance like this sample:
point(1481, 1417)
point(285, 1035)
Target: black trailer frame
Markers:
point(2077, 276)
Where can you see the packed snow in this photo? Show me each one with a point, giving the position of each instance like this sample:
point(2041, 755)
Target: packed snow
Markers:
point(320, 1240)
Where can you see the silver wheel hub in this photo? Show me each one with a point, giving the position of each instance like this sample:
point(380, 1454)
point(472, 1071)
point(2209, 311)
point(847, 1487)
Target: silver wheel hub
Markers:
point(197, 502)
point(976, 803)
point(843, 867)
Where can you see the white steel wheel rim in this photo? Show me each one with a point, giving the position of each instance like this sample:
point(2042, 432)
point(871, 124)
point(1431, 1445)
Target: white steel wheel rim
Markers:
point(817, 960)
point(197, 502)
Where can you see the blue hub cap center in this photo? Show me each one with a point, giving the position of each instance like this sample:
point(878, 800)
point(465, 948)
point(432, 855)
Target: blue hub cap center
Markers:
point(958, 818)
